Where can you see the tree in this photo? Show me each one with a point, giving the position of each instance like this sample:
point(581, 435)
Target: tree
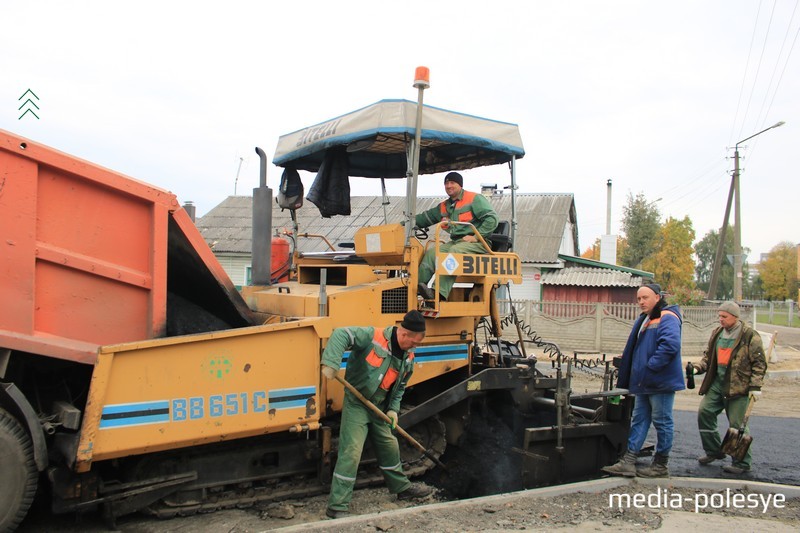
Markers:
point(706, 252)
point(779, 272)
point(686, 296)
point(672, 263)
point(593, 252)
point(640, 223)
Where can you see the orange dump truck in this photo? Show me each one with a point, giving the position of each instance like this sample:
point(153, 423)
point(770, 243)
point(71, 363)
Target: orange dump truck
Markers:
point(116, 315)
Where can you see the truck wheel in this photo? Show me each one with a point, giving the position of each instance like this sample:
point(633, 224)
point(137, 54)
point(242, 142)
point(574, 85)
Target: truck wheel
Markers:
point(18, 475)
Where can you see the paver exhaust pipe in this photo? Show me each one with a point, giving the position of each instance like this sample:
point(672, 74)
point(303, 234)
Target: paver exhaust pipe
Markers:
point(262, 227)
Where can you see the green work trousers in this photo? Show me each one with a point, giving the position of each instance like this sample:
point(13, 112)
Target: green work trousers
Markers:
point(428, 264)
point(710, 407)
point(358, 423)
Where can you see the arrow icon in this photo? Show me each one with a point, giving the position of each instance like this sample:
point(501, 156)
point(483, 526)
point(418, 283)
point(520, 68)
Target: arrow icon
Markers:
point(28, 111)
point(26, 102)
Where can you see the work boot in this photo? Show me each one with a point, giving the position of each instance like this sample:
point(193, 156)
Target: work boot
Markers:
point(736, 469)
point(416, 491)
point(658, 468)
point(425, 291)
point(626, 466)
point(333, 513)
point(709, 458)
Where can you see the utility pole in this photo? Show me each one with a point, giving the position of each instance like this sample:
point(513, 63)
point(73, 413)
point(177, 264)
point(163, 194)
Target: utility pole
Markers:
point(712, 287)
point(737, 237)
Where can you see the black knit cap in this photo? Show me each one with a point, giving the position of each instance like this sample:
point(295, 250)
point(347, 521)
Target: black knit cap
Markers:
point(655, 287)
point(454, 176)
point(414, 321)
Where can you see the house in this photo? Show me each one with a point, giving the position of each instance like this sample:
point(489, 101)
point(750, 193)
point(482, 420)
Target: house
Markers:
point(546, 237)
point(585, 280)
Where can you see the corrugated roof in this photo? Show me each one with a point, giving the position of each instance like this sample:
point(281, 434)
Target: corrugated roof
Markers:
point(542, 221)
point(591, 277)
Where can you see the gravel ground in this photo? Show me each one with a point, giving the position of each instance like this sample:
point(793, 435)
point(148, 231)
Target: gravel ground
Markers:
point(537, 510)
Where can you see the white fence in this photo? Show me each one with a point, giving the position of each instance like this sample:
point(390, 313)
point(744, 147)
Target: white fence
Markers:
point(604, 327)
point(777, 313)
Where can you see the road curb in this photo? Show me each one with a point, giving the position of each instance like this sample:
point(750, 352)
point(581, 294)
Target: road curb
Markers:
point(594, 486)
point(789, 374)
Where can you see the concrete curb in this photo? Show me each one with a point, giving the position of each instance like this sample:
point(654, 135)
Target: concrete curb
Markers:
point(594, 486)
point(789, 374)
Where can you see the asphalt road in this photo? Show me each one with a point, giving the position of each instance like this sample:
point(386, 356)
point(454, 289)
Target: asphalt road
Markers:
point(776, 454)
point(786, 336)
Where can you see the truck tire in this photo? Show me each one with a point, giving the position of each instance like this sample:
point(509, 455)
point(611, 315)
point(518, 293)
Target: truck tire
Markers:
point(18, 475)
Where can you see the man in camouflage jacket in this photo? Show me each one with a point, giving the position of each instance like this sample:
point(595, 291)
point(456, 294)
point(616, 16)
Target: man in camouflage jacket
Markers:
point(735, 365)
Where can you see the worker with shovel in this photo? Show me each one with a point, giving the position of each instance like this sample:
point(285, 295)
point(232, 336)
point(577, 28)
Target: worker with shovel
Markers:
point(378, 368)
point(735, 366)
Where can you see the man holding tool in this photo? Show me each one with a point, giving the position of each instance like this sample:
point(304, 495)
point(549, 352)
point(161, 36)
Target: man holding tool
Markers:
point(379, 367)
point(735, 366)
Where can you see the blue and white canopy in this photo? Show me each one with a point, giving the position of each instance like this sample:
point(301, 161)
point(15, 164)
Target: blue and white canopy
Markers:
point(378, 138)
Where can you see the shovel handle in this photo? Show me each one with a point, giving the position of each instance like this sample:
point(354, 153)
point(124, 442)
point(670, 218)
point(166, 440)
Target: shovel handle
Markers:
point(750, 404)
point(383, 416)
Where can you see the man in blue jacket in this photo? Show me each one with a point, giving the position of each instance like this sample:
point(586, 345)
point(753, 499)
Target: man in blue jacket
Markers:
point(651, 370)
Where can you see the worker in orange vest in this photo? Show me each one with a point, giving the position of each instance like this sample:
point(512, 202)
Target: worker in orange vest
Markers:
point(460, 206)
point(379, 366)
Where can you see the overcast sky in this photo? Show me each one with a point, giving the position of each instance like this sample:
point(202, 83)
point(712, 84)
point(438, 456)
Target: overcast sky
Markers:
point(650, 94)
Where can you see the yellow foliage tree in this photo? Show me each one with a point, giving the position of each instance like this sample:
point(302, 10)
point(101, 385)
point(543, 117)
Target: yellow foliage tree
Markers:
point(672, 262)
point(592, 252)
point(779, 272)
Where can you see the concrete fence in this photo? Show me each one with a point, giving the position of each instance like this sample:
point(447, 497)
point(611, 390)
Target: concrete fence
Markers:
point(604, 327)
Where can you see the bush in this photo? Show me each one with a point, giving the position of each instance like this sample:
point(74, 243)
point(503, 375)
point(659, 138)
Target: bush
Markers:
point(686, 296)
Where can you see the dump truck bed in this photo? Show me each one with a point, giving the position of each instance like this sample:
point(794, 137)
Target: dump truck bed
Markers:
point(89, 257)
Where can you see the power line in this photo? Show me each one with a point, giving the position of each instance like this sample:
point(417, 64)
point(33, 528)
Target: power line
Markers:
point(758, 68)
point(786, 64)
point(744, 76)
point(761, 121)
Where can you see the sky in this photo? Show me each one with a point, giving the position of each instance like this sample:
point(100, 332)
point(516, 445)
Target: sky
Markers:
point(652, 95)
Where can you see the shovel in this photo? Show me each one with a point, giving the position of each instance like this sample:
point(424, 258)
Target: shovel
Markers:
point(736, 443)
point(388, 420)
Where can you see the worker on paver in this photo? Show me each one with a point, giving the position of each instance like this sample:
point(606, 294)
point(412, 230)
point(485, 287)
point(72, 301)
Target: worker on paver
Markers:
point(460, 206)
point(735, 365)
point(379, 366)
point(651, 370)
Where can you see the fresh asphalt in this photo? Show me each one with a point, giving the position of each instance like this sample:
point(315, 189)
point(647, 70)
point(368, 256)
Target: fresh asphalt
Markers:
point(775, 448)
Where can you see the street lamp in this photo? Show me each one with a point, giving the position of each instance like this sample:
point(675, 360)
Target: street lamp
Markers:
point(737, 237)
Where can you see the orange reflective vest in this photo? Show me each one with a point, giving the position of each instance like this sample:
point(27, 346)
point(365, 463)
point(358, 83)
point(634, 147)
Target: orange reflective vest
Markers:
point(375, 360)
point(462, 207)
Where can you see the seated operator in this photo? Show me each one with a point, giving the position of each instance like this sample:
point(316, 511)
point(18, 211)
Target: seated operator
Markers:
point(461, 206)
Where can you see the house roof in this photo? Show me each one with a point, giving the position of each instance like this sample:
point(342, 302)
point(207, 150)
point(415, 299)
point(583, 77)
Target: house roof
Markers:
point(590, 277)
point(543, 220)
point(582, 272)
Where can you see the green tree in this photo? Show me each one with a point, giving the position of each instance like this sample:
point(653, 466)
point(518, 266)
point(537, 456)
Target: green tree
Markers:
point(672, 262)
point(779, 272)
point(640, 223)
point(754, 288)
point(706, 252)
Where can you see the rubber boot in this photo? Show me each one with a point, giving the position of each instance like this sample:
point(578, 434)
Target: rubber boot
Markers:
point(626, 466)
point(657, 469)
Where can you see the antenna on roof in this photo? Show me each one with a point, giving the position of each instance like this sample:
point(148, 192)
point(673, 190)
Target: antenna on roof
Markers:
point(236, 181)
